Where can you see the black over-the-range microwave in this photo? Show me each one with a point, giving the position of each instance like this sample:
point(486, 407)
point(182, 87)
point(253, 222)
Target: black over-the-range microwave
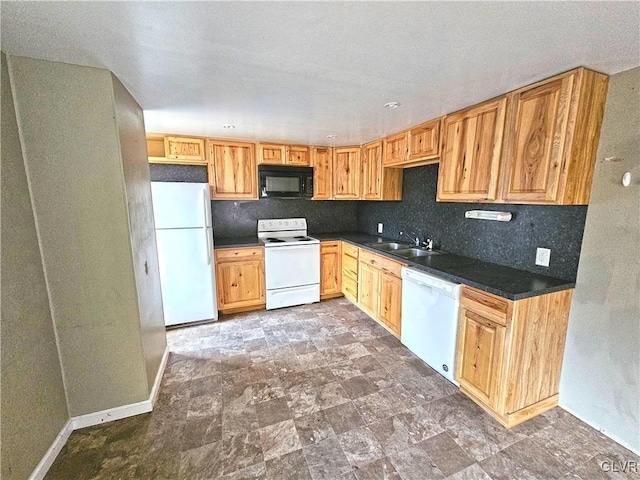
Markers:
point(278, 181)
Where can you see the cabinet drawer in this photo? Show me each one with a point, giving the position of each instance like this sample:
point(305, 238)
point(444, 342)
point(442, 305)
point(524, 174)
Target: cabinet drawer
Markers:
point(350, 288)
point(350, 250)
point(380, 262)
point(490, 306)
point(350, 266)
point(233, 254)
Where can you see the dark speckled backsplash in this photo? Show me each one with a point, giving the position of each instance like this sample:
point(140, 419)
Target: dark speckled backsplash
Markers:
point(512, 244)
point(506, 243)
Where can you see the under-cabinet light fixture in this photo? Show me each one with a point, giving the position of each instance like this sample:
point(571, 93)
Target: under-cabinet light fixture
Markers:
point(488, 215)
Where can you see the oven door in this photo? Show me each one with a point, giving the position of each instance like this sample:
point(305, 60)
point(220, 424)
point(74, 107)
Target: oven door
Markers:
point(292, 266)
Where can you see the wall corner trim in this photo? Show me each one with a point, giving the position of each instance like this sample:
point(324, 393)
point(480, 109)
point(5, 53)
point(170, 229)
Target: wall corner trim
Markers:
point(45, 464)
point(96, 418)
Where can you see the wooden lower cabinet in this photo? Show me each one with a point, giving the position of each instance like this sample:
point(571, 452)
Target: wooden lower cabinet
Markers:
point(240, 281)
point(509, 353)
point(350, 271)
point(380, 289)
point(330, 269)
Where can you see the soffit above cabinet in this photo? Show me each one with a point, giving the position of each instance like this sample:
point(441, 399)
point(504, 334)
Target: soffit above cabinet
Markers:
point(295, 72)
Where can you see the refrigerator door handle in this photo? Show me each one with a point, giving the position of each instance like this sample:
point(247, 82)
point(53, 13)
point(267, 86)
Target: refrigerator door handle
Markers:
point(209, 247)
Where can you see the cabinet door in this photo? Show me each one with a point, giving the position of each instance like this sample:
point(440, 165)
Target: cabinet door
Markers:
point(371, 167)
point(390, 301)
point(322, 162)
point(424, 141)
point(271, 154)
point(330, 269)
point(368, 288)
point(395, 148)
point(479, 356)
point(185, 150)
point(470, 153)
point(240, 284)
point(536, 132)
point(233, 171)
point(298, 156)
point(346, 174)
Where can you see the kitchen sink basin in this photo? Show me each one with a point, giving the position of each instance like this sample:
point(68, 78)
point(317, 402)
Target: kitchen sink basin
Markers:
point(388, 246)
point(416, 252)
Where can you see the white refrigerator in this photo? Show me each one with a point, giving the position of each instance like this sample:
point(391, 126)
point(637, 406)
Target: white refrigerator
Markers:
point(184, 233)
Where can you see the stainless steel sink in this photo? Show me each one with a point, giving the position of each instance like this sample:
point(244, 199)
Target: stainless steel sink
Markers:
point(416, 252)
point(388, 246)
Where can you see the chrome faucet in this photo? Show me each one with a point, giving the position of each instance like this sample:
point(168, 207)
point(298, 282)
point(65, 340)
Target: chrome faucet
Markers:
point(428, 244)
point(416, 240)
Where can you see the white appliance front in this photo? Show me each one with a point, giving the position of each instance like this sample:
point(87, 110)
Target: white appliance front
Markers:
point(430, 319)
point(181, 205)
point(292, 265)
point(292, 275)
point(182, 212)
point(187, 275)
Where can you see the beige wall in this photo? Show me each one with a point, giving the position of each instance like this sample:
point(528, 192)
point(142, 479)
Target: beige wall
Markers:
point(601, 371)
point(133, 146)
point(72, 153)
point(33, 405)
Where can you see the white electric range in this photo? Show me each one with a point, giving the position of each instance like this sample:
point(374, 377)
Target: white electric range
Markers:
point(292, 262)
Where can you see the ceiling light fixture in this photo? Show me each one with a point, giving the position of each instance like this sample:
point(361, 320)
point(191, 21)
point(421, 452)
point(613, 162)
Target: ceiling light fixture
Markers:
point(391, 105)
point(228, 126)
point(332, 136)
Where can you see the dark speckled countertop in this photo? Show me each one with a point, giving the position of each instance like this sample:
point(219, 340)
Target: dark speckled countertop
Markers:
point(503, 281)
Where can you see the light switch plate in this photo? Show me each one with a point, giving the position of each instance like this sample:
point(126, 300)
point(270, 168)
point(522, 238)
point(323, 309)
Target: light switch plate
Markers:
point(543, 255)
point(380, 228)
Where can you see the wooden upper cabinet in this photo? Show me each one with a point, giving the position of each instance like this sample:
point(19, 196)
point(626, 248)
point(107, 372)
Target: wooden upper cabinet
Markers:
point(322, 163)
point(396, 148)
point(232, 170)
point(298, 156)
point(271, 154)
point(346, 173)
point(470, 153)
point(424, 142)
point(176, 150)
point(371, 167)
point(551, 138)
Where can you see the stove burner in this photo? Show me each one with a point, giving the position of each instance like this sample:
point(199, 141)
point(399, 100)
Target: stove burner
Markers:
point(275, 240)
point(300, 236)
point(305, 239)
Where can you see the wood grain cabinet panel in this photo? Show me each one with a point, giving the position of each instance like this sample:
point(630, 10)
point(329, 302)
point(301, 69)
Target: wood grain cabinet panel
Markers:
point(470, 153)
point(350, 272)
point(240, 280)
point(270, 154)
point(551, 138)
point(232, 171)
point(368, 289)
point(322, 163)
point(509, 360)
point(395, 147)
point(390, 303)
point(377, 182)
point(175, 149)
point(424, 143)
point(346, 173)
point(298, 156)
point(330, 269)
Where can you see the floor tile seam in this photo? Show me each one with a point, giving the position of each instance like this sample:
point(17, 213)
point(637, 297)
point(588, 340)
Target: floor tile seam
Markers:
point(537, 441)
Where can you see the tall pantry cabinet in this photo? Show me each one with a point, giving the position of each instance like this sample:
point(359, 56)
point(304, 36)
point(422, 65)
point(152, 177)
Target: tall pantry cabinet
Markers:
point(86, 161)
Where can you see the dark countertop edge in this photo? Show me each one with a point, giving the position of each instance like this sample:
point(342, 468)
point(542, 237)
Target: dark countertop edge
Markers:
point(362, 240)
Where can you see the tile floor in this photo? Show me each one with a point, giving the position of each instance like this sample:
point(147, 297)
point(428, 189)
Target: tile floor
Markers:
point(323, 392)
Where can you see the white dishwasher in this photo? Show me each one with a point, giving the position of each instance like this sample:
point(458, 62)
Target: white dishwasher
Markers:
point(430, 319)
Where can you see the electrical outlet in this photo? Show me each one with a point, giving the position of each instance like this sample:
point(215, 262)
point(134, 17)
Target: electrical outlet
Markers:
point(543, 255)
point(380, 228)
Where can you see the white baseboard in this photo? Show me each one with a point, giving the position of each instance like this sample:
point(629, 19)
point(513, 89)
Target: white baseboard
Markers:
point(158, 381)
point(45, 464)
point(633, 448)
point(96, 418)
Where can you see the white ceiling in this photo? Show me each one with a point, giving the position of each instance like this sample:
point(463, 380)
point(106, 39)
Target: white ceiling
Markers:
point(299, 71)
